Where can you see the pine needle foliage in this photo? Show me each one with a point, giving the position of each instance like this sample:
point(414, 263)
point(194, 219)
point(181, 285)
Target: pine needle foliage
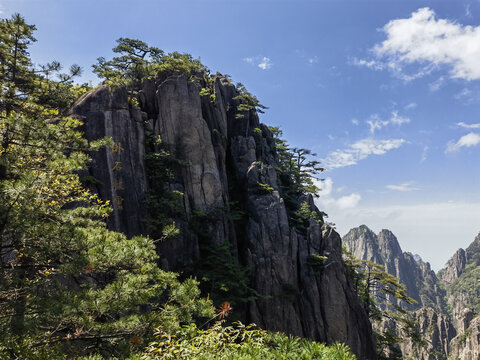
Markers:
point(68, 286)
point(239, 342)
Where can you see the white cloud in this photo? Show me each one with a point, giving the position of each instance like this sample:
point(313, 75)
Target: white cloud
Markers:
point(424, 154)
point(469, 140)
point(423, 38)
point(425, 228)
point(349, 201)
point(411, 106)
point(265, 64)
point(371, 64)
point(359, 151)
point(355, 122)
point(326, 198)
point(437, 84)
point(397, 119)
point(313, 60)
point(468, 126)
point(262, 62)
point(407, 186)
point(376, 123)
point(465, 93)
point(468, 12)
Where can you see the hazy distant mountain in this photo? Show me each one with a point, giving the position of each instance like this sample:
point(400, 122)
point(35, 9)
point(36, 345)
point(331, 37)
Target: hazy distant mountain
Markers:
point(420, 280)
point(448, 303)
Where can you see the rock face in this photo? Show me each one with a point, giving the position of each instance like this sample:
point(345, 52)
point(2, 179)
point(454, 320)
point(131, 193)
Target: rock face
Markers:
point(226, 158)
point(455, 267)
point(438, 331)
point(466, 346)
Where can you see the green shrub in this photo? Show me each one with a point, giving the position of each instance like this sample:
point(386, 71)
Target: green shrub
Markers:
point(239, 342)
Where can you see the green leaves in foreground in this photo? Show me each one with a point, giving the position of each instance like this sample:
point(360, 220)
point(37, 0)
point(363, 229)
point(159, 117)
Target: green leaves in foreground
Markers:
point(239, 342)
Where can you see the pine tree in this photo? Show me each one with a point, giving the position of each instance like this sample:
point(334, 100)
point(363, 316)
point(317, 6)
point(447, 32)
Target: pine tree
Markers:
point(67, 284)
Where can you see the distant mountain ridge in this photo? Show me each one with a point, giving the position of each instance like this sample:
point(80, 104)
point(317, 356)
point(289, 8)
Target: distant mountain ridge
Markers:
point(448, 306)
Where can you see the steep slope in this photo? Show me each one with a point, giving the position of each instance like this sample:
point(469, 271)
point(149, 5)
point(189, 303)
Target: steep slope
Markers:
point(223, 155)
point(462, 281)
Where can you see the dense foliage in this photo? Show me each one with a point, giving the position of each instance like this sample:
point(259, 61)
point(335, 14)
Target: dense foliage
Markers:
point(137, 61)
point(297, 177)
point(239, 342)
point(67, 284)
point(467, 285)
point(223, 278)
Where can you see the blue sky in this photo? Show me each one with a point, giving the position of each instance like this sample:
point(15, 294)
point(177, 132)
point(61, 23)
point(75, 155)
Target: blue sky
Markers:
point(387, 93)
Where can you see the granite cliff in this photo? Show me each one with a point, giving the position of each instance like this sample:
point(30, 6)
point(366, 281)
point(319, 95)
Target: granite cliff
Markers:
point(223, 156)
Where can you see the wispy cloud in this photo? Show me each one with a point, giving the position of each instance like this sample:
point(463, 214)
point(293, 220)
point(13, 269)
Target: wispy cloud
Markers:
point(411, 106)
point(262, 62)
point(355, 122)
point(437, 84)
point(405, 187)
point(424, 40)
point(424, 154)
point(468, 12)
point(359, 151)
point(376, 123)
point(465, 93)
point(469, 140)
point(265, 64)
point(468, 126)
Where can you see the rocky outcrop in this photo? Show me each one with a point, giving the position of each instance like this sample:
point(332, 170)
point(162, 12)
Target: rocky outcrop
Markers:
point(224, 156)
point(454, 336)
point(461, 279)
point(417, 276)
point(437, 332)
point(455, 267)
point(466, 346)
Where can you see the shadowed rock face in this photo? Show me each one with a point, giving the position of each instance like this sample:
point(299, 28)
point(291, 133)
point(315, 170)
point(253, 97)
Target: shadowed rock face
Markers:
point(227, 157)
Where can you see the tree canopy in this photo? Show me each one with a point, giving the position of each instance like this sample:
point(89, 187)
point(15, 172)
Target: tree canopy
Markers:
point(67, 284)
